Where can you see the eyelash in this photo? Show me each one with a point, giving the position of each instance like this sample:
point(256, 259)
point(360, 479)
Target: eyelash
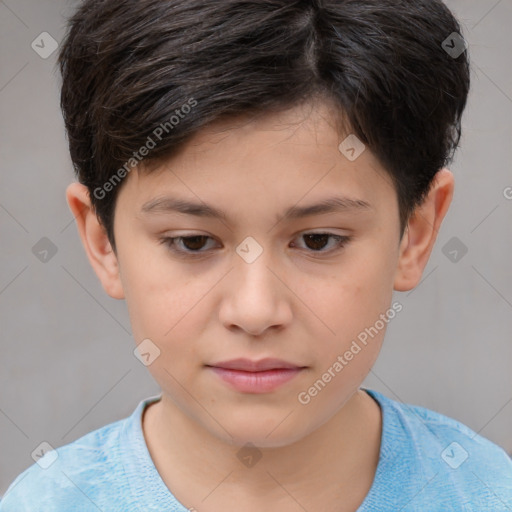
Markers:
point(169, 242)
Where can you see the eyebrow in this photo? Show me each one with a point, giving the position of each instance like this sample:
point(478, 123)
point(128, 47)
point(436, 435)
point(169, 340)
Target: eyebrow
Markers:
point(329, 205)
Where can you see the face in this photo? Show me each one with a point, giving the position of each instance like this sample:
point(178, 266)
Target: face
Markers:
point(260, 281)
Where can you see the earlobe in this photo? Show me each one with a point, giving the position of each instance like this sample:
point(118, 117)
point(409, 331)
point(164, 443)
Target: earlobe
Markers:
point(95, 240)
point(421, 232)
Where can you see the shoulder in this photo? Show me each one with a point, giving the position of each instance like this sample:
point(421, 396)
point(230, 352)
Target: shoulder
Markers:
point(457, 440)
point(67, 478)
point(454, 463)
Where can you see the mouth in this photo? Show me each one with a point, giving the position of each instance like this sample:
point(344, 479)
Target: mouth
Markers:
point(248, 365)
point(250, 376)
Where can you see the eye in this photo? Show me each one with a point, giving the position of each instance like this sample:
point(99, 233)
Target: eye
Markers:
point(317, 241)
point(192, 245)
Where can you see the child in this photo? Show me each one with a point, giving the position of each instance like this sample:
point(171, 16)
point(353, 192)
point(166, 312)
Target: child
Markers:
point(256, 177)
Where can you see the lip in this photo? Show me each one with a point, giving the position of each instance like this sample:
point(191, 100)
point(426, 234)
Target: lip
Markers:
point(248, 365)
point(261, 376)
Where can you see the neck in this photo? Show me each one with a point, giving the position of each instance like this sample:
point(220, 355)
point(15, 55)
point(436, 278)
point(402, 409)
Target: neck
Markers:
point(338, 460)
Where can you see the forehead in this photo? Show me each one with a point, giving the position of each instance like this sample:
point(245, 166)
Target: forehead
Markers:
point(285, 157)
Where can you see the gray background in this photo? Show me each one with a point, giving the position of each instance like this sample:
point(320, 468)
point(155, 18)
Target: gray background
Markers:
point(67, 364)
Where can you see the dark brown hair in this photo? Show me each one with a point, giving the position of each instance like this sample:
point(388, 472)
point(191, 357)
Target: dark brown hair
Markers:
point(151, 73)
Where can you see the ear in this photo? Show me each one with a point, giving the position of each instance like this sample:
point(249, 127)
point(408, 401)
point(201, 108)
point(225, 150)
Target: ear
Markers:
point(95, 240)
point(421, 232)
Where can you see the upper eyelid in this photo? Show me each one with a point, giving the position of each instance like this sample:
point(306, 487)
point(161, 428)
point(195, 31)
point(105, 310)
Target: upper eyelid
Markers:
point(301, 233)
point(312, 231)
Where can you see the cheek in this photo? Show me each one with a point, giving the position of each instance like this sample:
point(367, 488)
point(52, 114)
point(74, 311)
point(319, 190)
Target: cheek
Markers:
point(170, 305)
point(157, 293)
point(163, 307)
point(352, 300)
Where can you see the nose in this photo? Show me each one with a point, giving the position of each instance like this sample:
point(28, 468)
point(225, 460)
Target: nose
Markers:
point(255, 298)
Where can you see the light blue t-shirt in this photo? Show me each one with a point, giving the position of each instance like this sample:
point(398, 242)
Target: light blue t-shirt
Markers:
point(428, 462)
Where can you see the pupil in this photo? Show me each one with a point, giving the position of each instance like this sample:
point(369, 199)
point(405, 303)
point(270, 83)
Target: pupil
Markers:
point(317, 235)
point(189, 242)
